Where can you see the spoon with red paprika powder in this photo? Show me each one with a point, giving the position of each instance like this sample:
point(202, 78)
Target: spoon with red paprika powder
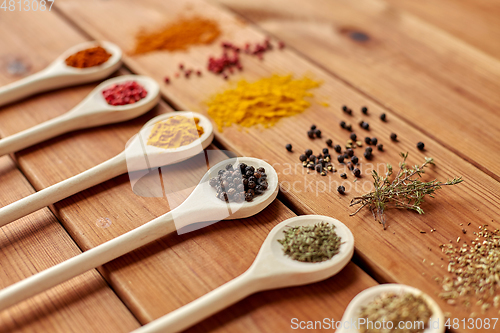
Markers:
point(83, 63)
point(115, 100)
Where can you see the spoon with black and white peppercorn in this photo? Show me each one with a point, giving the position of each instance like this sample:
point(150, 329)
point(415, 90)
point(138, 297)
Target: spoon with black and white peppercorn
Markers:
point(201, 206)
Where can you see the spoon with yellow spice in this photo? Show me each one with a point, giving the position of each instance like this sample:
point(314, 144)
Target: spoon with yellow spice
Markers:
point(167, 139)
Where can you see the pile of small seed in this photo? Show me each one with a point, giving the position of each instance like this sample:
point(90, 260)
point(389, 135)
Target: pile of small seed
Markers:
point(311, 243)
point(395, 308)
point(475, 270)
point(321, 163)
point(239, 183)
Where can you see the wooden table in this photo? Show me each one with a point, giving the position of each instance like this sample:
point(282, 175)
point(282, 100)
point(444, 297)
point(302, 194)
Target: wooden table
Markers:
point(436, 79)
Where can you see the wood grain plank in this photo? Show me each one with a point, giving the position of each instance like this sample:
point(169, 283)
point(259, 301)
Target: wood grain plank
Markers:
point(176, 269)
point(436, 82)
point(394, 255)
point(476, 21)
point(36, 242)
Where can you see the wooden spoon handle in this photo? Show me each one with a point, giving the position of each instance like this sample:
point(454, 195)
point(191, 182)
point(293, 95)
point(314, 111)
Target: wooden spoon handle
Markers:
point(37, 134)
point(44, 80)
point(98, 174)
point(90, 259)
point(203, 307)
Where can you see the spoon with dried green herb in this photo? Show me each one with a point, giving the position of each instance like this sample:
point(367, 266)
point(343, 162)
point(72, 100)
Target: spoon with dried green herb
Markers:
point(388, 308)
point(405, 191)
point(272, 269)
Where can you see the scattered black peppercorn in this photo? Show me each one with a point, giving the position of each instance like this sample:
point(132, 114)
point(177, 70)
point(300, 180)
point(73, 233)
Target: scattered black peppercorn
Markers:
point(374, 141)
point(342, 124)
point(368, 141)
point(353, 136)
point(340, 158)
point(380, 147)
point(312, 158)
point(369, 149)
point(394, 137)
point(302, 158)
point(355, 159)
point(343, 175)
point(318, 133)
point(365, 125)
point(319, 167)
point(341, 189)
point(329, 142)
point(288, 147)
point(367, 154)
point(383, 117)
point(325, 150)
point(364, 109)
point(350, 152)
point(344, 108)
point(420, 145)
point(308, 152)
point(310, 134)
point(356, 172)
point(350, 166)
point(337, 148)
point(348, 127)
point(313, 127)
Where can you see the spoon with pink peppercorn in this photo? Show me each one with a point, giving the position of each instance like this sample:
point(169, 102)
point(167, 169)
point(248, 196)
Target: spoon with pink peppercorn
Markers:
point(115, 100)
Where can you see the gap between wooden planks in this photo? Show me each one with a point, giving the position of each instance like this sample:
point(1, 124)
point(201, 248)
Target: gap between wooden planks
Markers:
point(395, 255)
point(436, 82)
point(35, 243)
point(177, 269)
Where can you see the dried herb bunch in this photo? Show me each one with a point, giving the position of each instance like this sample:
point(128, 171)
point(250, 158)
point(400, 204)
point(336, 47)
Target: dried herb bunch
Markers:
point(396, 308)
point(311, 243)
point(405, 191)
point(475, 271)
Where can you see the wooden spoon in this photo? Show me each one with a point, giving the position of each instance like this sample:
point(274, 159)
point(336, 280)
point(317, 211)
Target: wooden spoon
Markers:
point(271, 269)
point(60, 75)
point(136, 156)
point(366, 296)
point(201, 206)
point(92, 111)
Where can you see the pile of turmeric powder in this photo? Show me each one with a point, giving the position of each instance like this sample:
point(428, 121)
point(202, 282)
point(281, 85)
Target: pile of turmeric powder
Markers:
point(262, 102)
point(175, 132)
point(178, 35)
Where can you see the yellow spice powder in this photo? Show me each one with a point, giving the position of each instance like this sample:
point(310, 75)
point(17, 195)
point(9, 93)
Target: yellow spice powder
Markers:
point(262, 102)
point(175, 132)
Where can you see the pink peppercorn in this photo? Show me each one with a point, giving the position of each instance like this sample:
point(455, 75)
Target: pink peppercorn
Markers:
point(124, 93)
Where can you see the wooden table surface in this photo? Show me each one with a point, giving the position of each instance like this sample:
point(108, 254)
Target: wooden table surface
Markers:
point(436, 77)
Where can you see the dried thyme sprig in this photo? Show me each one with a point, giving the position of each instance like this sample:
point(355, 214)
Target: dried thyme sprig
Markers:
point(406, 190)
point(311, 243)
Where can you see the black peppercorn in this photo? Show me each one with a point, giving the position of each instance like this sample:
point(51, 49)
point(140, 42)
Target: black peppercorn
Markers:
point(252, 179)
point(248, 196)
point(311, 166)
point(213, 181)
point(343, 175)
point(369, 149)
point(329, 142)
point(229, 167)
point(354, 159)
point(308, 152)
point(420, 145)
point(348, 127)
point(325, 150)
point(302, 158)
point(326, 155)
point(368, 141)
point(350, 166)
point(313, 127)
point(353, 136)
point(312, 158)
point(364, 109)
point(344, 108)
point(349, 111)
point(367, 154)
point(340, 158)
point(337, 148)
point(251, 184)
point(262, 170)
point(394, 137)
point(341, 189)
point(288, 147)
point(310, 134)
point(243, 166)
point(220, 172)
point(319, 167)
point(365, 125)
point(318, 133)
point(374, 141)
point(356, 172)
point(380, 147)
point(382, 117)
point(342, 124)
point(249, 173)
point(350, 152)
